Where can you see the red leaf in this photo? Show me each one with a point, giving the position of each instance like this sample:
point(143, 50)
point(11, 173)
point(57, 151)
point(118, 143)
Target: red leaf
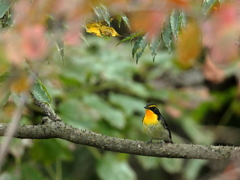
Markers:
point(34, 43)
point(148, 21)
point(220, 32)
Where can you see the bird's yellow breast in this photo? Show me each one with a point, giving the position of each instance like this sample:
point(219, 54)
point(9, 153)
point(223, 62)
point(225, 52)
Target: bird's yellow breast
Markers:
point(150, 118)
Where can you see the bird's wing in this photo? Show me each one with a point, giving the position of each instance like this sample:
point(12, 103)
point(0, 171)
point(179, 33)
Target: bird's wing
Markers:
point(164, 123)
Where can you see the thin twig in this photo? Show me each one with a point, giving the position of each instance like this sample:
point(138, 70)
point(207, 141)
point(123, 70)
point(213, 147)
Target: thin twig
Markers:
point(12, 128)
point(46, 109)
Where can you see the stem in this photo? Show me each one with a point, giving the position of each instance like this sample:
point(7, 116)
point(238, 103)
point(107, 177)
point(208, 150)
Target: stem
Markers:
point(12, 128)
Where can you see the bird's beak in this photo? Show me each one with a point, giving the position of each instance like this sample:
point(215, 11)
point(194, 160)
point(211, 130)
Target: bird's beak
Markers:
point(145, 107)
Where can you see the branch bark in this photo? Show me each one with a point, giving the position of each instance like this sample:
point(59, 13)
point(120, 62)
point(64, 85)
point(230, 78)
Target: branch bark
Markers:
point(57, 129)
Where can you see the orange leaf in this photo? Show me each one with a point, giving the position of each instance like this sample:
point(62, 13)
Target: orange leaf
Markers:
point(189, 45)
point(21, 83)
point(148, 21)
point(172, 111)
point(212, 72)
point(180, 3)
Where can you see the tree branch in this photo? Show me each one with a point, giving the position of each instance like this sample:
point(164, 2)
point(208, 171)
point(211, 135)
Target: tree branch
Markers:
point(57, 129)
point(46, 109)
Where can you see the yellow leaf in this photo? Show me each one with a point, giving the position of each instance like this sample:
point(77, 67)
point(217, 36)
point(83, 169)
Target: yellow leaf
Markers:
point(100, 29)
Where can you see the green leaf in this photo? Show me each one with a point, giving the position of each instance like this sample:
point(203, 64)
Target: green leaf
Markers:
point(172, 165)
point(40, 92)
point(128, 103)
point(131, 37)
point(4, 76)
point(119, 19)
point(137, 89)
point(123, 17)
point(167, 37)
point(138, 47)
point(102, 13)
point(83, 38)
point(9, 175)
point(69, 111)
point(50, 150)
point(60, 47)
point(17, 149)
point(207, 6)
point(164, 94)
point(76, 114)
point(195, 133)
point(113, 116)
point(16, 98)
point(58, 41)
point(28, 171)
point(4, 98)
point(193, 167)
point(125, 20)
point(174, 22)
point(154, 44)
point(109, 167)
point(148, 162)
point(4, 6)
point(182, 20)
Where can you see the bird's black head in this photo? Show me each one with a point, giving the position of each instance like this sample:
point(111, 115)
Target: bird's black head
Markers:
point(153, 107)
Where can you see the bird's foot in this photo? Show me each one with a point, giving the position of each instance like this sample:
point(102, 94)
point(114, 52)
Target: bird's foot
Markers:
point(149, 141)
point(170, 142)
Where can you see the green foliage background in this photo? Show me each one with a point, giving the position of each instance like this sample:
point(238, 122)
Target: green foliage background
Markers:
point(98, 87)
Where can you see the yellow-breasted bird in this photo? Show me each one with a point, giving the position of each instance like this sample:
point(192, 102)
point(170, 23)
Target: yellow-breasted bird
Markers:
point(155, 125)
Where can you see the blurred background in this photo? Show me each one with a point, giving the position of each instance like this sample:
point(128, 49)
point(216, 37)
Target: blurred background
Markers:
point(187, 63)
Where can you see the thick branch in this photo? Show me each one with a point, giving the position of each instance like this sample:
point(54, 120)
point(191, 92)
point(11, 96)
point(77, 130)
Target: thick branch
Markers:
point(57, 129)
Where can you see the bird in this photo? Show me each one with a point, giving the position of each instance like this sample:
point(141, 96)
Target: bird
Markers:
point(155, 125)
